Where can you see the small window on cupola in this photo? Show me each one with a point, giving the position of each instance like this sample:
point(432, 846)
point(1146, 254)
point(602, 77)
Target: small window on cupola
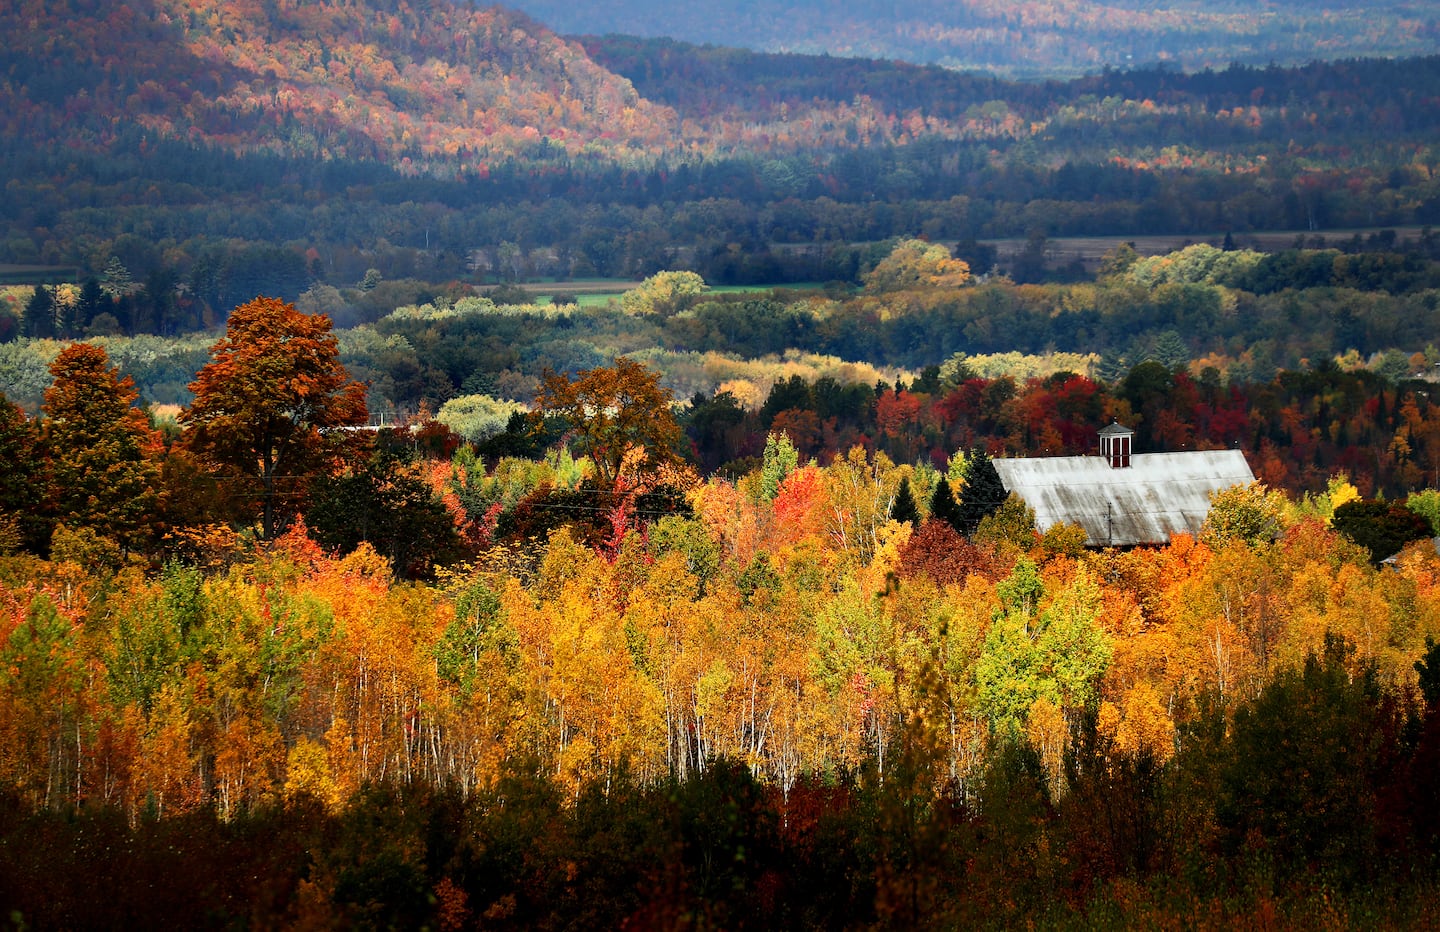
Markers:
point(1115, 444)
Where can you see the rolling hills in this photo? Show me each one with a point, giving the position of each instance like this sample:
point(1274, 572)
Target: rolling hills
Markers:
point(238, 147)
point(1036, 38)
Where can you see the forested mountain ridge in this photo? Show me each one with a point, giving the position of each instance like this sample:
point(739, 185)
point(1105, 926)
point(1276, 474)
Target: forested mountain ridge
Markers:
point(790, 100)
point(405, 85)
point(448, 89)
point(1036, 38)
point(225, 151)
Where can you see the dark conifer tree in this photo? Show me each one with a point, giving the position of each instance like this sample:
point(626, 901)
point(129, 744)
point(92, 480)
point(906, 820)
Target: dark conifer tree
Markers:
point(40, 314)
point(97, 439)
point(93, 302)
point(943, 506)
point(983, 495)
point(904, 507)
point(24, 483)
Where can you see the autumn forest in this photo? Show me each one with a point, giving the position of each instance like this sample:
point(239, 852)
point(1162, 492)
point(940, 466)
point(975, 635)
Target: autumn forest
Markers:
point(454, 476)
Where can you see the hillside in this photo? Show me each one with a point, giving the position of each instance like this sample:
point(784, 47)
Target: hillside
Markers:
point(410, 86)
point(449, 90)
point(1029, 39)
point(819, 100)
point(219, 151)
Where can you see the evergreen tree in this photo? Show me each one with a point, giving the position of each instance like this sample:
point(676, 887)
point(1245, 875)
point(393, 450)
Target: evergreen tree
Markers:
point(152, 308)
point(40, 314)
point(115, 280)
point(1169, 350)
point(93, 302)
point(24, 482)
point(983, 494)
point(904, 508)
point(943, 506)
point(97, 438)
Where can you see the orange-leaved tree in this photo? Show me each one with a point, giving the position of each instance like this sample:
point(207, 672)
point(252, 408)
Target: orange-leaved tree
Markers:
point(620, 416)
point(273, 385)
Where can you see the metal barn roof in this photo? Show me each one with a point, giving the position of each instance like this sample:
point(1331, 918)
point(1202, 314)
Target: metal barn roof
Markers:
point(1158, 495)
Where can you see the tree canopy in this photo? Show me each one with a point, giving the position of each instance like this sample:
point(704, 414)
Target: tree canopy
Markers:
point(273, 384)
point(982, 494)
point(1381, 527)
point(915, 263)
point(23, 482)
point(620, 416)
point(663, 293)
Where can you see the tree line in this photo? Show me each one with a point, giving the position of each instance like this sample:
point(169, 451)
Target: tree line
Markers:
point(256, 620)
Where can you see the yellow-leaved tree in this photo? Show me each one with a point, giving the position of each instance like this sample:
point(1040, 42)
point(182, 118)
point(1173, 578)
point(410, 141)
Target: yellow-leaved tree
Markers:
point(663, 293)
point(914, 263)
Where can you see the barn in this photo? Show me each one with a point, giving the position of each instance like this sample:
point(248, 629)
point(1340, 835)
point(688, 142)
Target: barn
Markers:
point(1122, 498)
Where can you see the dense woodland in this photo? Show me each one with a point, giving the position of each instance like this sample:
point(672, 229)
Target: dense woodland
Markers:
point(1314, 361)
point(418, 593)
point(568, 673)
point(222, 151)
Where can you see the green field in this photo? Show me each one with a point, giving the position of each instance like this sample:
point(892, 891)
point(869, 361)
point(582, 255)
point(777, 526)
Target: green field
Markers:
point(11, 274)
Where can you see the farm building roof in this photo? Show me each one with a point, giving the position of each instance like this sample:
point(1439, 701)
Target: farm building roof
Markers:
point(1156, 496)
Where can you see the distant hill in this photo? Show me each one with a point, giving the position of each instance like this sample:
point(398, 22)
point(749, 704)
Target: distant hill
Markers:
point(1026, 38)
point(260, 146)
point(410, 85)
point(443, 89)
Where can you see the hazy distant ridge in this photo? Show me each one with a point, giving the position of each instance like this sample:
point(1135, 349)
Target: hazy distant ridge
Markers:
point(1028, 38)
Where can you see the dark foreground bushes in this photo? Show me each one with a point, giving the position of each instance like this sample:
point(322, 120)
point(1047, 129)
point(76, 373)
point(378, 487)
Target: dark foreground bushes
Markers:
point(1315, 806)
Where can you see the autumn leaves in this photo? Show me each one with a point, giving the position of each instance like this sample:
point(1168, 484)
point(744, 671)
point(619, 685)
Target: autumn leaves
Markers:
point(800, 619)
point(273, 385)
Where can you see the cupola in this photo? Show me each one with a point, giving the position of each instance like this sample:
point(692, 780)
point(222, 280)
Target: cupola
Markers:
point(1115, 443)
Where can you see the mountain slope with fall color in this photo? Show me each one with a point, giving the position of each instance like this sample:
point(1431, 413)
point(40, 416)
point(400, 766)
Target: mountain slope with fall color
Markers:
point(414, 86)
point(261, 146)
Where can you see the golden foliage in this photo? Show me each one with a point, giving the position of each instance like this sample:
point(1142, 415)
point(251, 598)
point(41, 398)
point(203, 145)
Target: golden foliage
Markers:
point(790, 646)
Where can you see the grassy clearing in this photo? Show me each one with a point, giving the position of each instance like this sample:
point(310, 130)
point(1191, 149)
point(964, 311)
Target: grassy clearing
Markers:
point(31, 275)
